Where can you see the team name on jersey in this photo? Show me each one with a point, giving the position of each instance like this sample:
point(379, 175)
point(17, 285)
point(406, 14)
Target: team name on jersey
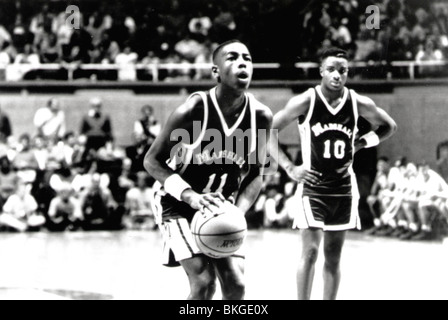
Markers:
point(318, 129)
point(217, 157)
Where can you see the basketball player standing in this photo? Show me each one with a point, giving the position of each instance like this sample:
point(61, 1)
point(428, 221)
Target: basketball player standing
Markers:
point(208, 168)
point(327, 116)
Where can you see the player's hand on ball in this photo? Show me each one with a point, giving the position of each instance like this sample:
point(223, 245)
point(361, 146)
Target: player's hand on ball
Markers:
point(202, 202)
point(302, 175)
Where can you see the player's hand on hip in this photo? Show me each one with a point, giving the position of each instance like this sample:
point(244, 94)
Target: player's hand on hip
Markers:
point(359, 144)
point(302, 175)
point(201, 202)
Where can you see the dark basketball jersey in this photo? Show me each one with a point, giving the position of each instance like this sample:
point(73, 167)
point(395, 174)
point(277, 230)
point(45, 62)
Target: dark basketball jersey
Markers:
point(327, 140)
point(218, 159)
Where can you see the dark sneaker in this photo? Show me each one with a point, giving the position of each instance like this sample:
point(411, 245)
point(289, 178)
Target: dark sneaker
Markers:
point(387, 231)
point(409, 235)
point(422, 236)
point(398, 232)
point(374, 230)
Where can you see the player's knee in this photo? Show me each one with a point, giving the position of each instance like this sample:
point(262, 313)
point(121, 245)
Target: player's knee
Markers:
point(235, 290)
point(371, 200)
point(332, 254)
point(203, 288)
point(310, 255)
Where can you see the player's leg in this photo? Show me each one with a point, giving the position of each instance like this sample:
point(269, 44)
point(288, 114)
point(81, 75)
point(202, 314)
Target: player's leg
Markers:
point(311, 239)
point(202, 277)
point(230, 273)
point(180, 248)
point(374, 206)
point(426, 209)
point(333, 243)
point(410, 211)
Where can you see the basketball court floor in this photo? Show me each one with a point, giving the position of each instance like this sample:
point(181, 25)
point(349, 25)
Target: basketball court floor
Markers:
point(126, 265)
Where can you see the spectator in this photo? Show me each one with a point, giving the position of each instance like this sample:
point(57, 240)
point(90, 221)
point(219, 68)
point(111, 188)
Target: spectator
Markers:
point(342, 35)
point(199, 26)
point(41, 152)
point(126, 57)
point(25, 162)
point(79, 46)
point(8, 180)
point(432, 201)
point(378, 200)
point(410, 204)
point(126, 60)
point(5, 126)
point(65, 211)
point(96, 28)
point(366, 44)
point(5, 36)
point(83, 177)
point(42, 20)
point(139, 205)
point(432, 54)
point(224, 27)
point(127, 178)
point(50, 121)
point(68, 149)
point(442, 160)
point(204, 57)
point(110, 152)
point(20, 211)
point(396, 187)
point(150, 58)
point(98, 206)
point(50, 51)
point(147, 128)
point(96, 126)
point(63, 31)
point(5, 58)
point(20, 35)
point(111, 51)
point(188, 48)
point(28, 57)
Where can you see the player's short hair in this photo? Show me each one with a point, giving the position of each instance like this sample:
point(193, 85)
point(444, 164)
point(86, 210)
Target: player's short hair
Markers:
point(221, 46)
point(383, 158)
point(333, 52)
point(440, 146)
point(147, 107)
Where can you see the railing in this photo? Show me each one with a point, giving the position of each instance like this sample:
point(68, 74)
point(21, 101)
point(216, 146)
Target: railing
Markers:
point(14, 72)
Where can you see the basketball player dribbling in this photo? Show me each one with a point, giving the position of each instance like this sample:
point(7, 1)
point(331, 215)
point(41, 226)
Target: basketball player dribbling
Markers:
point(221, 161)
point(327, 117)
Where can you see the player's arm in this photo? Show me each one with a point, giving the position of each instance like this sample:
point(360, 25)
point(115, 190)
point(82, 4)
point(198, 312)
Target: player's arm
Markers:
point(155, 161)
point(296, 107)
point(253, 182)
point(384, 125)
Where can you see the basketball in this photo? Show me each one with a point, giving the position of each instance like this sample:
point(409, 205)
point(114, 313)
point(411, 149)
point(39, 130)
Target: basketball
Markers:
point(221, 232)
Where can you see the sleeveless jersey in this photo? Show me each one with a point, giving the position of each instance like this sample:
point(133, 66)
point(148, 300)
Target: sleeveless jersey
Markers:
point(327, 139)
point(218, 159)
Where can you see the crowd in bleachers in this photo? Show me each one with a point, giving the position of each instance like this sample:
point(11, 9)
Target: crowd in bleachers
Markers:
point(173, 31)
point(59, 180)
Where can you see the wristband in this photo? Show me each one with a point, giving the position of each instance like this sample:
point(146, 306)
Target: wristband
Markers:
point(175, 186)
point(372, 139)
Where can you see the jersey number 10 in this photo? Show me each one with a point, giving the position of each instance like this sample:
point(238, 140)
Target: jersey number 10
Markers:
point(338, 149)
